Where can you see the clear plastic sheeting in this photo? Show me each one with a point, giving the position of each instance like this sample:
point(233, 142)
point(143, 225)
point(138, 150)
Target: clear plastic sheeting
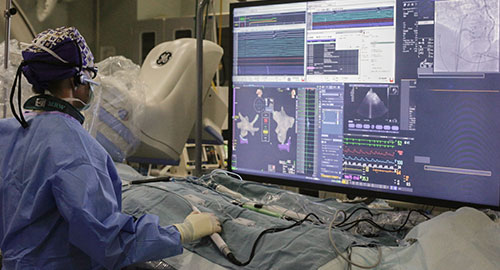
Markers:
point(113, 119)
point(290, 205)
point(7, 78)
point(297, 205)
point(463, 239)
point(391, 220)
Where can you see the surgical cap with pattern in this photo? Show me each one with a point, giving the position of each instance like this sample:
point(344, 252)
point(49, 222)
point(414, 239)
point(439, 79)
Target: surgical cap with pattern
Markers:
point(41, 67)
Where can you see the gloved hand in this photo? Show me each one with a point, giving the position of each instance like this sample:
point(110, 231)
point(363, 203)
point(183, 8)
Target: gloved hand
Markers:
point(198, 225)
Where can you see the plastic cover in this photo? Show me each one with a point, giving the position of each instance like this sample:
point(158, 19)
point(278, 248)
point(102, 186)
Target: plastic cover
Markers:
point(112, 119)
point(300, 205)
point(7, 78)
point(296, 206)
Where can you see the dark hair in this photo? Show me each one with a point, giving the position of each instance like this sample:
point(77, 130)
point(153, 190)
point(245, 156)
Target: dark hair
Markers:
point(53, 87)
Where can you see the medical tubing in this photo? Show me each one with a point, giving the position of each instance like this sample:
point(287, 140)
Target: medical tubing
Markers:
point(225, 190)
point(275, 211)
point(349, 253)
point(223, 172)
point(271, 210)
point(261, 210)
point(330, 235)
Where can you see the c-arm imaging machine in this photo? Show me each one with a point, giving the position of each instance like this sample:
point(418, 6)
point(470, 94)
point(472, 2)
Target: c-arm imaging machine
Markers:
point(161, 127)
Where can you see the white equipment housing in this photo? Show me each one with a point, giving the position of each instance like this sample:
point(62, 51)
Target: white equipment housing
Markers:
point(169, 113)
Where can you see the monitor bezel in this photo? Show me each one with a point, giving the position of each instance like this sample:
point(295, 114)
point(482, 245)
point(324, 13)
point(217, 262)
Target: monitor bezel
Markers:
point(320, 186)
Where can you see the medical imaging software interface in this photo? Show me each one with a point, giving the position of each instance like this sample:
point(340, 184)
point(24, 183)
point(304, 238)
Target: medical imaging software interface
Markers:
point(391, 96)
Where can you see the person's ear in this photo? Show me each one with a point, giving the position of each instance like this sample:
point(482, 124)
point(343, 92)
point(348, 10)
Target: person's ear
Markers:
point(72, 83)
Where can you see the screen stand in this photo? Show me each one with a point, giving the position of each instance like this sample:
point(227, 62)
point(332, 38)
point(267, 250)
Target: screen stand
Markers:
point(309, 192)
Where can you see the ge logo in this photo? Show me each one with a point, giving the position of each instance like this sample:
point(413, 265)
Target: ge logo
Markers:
point(163, 58)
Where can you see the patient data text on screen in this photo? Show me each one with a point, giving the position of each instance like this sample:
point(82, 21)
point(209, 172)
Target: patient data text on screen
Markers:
point(391, 96)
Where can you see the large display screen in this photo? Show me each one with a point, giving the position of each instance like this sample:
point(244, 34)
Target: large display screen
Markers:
point(394, 98)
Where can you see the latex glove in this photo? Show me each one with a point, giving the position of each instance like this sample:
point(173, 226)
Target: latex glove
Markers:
point(197, 225)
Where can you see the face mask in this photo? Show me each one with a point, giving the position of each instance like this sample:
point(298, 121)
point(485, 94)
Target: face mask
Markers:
point(85, 105)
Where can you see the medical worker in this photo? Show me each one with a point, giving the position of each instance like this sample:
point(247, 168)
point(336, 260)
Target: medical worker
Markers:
point(60, 194)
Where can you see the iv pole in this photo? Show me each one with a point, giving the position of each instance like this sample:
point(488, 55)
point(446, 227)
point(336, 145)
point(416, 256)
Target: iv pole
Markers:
point(9, 11)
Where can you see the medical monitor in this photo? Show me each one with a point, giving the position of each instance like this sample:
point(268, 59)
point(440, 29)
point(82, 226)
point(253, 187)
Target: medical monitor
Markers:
point(397, 99)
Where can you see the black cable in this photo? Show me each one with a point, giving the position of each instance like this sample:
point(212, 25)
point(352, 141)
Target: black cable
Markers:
point(222, 75)
point(19, 91)
point(205, 21)
point(356, 222)
point(350, 215)
point(150, 180)
point(314, 215)
point(235, 261)
point(17, 83)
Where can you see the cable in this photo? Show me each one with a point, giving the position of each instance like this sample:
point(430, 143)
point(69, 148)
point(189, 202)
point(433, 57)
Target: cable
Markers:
point(150, 180)
point(330, 235)
point(235, 261)
point(220, 24)
point(350, 215)
point(356, 222)
point(349, 253)
point(205, 21)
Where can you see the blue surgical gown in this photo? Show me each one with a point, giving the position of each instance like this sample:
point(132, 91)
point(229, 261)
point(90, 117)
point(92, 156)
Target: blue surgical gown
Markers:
point(60, 200)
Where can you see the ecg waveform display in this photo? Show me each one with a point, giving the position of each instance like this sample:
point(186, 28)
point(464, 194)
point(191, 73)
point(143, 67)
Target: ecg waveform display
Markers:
point(306, 129)
point(270, 19)
point(370, 142)
point(370, 160)
point(271, 53)
point(370, 17)
point(366, 158)
point(368, 152)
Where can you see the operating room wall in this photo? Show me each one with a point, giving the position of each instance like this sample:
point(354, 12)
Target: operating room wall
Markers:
point(116, 24)
point(189, 6)
point(147, 9)
point(120, 30)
